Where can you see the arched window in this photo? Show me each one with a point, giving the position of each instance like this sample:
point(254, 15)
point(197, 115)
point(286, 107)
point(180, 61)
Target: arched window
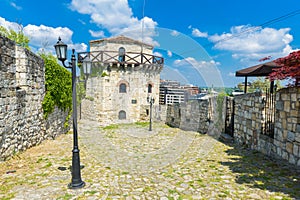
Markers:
point(122, 114)
point(122, 88)
point(121, 54)
point(149, 88)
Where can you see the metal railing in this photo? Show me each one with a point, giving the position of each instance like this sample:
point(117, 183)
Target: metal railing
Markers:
point(113, 57)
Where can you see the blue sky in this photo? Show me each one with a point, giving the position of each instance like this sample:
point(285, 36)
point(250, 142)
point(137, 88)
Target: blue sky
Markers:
point(204, 42)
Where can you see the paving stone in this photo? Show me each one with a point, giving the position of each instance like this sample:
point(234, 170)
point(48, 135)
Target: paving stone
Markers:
point(168, 163)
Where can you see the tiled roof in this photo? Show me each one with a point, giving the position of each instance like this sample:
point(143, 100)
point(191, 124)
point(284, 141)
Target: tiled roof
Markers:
point(121, 39)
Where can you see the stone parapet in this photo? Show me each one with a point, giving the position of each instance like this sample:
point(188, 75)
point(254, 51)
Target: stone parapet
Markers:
point(202, 116)
point(249, 120)
point(22, 90)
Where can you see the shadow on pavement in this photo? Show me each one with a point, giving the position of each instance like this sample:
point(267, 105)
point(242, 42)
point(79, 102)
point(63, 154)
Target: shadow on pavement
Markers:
point(259, 171)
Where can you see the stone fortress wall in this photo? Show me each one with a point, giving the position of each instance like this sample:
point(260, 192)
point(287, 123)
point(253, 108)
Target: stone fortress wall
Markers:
point(22, 89)
point(205, 116)
point(248, 124)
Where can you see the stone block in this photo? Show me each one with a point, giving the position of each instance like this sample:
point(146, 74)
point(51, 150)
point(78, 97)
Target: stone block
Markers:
point(298, 128)
point(287, 106)
point(289, 147)
point(294, 113)
point(285, 155)
point(284, 96)
point(279, 105)
point(292, 159)
point(284, 124)
point(296, 150)
point(297, 137)
point(290, 136)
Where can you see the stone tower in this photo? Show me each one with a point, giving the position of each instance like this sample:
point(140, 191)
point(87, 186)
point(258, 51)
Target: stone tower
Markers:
point(124, 73)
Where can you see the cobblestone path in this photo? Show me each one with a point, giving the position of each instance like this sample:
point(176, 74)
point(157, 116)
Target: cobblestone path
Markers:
point(130, 162)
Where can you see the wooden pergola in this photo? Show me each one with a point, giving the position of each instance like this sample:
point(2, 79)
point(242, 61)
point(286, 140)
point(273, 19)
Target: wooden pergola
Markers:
point(258, 70)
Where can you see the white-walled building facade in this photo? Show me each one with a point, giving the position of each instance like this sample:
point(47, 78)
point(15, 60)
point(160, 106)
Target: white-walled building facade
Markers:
point(124, 73)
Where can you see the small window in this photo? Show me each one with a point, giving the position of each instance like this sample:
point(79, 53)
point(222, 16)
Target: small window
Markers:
point(133, 101)
point(121, 54)
point(149, 88)
point(122, 114)
point(122, 88)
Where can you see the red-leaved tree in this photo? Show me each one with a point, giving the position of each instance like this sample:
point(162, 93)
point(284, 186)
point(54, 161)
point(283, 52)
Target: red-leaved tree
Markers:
point(289, 69)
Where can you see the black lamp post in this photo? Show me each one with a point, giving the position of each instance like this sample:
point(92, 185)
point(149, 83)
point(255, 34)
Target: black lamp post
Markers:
point(61, 51)
point(151, 101)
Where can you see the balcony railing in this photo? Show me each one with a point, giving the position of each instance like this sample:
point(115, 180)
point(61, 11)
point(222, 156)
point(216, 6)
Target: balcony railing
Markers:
point(130, 58)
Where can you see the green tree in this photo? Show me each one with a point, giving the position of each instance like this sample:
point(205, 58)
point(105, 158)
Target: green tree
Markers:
point(18, 37)
point(263, 83)
point(260, 83)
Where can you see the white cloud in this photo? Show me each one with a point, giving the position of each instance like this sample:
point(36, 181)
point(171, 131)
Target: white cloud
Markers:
point(44, 36)
point(197, 33)
point(82, 47)
point(174, 33)
point(207, 70)
point(250, 42)
point(170, 53)
point(169, 73)
point(107, 13)
point(9, 25)
point(13, 4)
point(157, 54)
point(38, 34)
point(231, 74)
point(195, 63)
point(117, 17)
point(96, 33)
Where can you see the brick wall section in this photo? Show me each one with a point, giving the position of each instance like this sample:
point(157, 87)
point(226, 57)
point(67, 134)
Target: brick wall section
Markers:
point(22, 89)
point(248, 124)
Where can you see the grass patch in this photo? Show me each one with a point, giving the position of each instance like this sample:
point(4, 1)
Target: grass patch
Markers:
point(8, 196)
point(172, 191)
point(90, 192)
point(42, 174)
point(147, 189)
point(49, 164)
point(142, 124)
point(67, 196)
point(111, 127)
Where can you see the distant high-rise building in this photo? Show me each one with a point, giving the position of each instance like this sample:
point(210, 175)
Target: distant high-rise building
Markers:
point(172, 92)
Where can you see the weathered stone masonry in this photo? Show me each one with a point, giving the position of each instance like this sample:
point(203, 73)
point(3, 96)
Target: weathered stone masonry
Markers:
point(202, 116)
point(206, 116)
point(22, 89)
point(248, 122)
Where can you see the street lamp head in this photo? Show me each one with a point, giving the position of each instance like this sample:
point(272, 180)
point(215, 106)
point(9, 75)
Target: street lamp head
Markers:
point(61, 50)
point(87, 65)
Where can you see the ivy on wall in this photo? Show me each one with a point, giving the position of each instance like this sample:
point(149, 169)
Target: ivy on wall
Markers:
point(18, 37)
point(58, 83)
